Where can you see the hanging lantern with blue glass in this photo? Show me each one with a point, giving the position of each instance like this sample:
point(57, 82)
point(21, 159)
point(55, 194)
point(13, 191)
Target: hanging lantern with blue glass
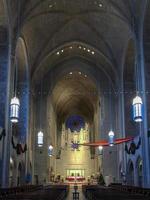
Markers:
point(137, 109)
point(50, 150)
point(14, 109)
point(111, 136)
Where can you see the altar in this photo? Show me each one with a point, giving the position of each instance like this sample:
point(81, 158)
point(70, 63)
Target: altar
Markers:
point(75, 178)
point(75, 163)
point(75, 175)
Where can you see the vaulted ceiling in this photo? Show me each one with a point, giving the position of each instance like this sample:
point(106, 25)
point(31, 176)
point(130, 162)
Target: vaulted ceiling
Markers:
point(48, 25)
point(75, 93)
point(96, 32)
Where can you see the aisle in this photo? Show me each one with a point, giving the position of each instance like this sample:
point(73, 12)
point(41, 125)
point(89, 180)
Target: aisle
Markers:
point(70, 196)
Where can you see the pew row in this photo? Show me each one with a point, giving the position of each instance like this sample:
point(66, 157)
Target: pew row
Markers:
point(96, 192)
point(131, 189)
point(55, 192)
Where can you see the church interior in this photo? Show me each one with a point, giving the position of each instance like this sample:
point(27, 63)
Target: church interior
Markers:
point(75, 99)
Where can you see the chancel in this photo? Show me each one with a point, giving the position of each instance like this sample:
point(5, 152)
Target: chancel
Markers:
point(74, 99)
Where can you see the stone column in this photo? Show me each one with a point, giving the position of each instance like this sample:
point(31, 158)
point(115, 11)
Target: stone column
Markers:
point(59, 132)
point(122, 128)
point(3, 87)
point(143, 126)
point(7, 139)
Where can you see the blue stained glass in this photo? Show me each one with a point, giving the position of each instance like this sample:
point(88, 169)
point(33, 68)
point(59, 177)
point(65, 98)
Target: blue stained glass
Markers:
point(75, 123)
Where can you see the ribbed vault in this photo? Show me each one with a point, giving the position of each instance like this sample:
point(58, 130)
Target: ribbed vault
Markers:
point(80, 51)
point(104, 25)
point(75, 93)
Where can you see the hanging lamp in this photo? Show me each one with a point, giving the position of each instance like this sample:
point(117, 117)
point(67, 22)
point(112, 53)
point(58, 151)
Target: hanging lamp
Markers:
point(40, 138)
point(50, 150)
point(40, 134)
point(111, 138)
point(111, 135)
point(14, 109)
point(15, 103)
point(100, 149)
point(137, 109)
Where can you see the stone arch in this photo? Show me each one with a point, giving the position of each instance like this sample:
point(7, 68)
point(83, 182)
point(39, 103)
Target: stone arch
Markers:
point(22, 88)
point(129, 81)
point(20, 76)
point(12, 166)
point(130, 173)
point(139, 171)
point(121, 172)
point(21, 174)
point(50, 60)
point(28, 178)
point(50, 121)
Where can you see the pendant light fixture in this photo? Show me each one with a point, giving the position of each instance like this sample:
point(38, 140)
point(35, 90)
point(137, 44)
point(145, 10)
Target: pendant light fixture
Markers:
point(137, 109)
point(137, 104)
point(40, 135)
point(100, 149)
point(15, 103)
point(50, 150)
point(40, 139)
point(14, 109)
point(111, 135)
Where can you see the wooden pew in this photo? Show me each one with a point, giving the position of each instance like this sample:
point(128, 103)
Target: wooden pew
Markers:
point(55, 192)
point(131, 189)
point(14, 191)
point(116, 192)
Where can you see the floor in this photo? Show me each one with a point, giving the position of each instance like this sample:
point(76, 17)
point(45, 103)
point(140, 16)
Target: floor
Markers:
point(70, 195)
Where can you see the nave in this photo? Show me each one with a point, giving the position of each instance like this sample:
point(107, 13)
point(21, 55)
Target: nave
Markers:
point(74, 99)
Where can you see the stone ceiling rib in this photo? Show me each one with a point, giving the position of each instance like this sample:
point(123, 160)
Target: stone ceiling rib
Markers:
point(108, 68)
point(46, 44)
point(85, 21)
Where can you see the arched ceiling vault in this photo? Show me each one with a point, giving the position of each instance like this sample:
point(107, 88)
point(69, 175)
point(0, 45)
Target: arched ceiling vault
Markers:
point(52, 26)
point(46, 25)
point(78, 50)
point(129, 67)
point(74, 87)
point(79, 96)
point(64, 29)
